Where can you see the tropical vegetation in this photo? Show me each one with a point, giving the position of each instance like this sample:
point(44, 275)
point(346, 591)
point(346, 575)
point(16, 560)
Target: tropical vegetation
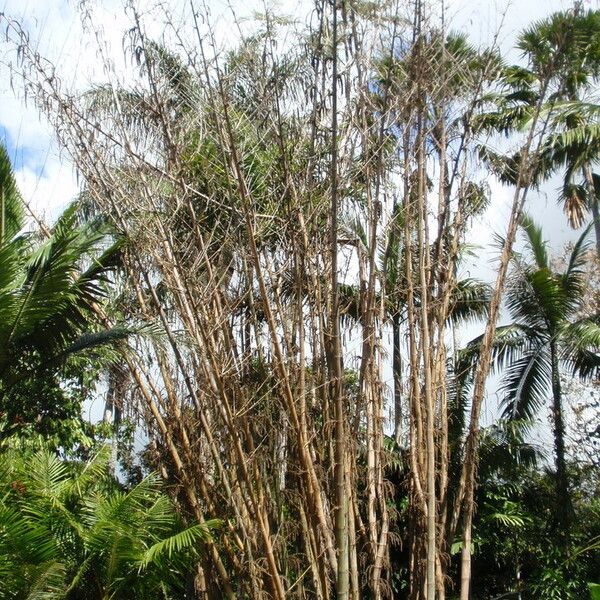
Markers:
point(267, 281)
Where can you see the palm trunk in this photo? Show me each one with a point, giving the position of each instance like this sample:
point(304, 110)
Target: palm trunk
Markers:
point(563, 506)
point(397, 372)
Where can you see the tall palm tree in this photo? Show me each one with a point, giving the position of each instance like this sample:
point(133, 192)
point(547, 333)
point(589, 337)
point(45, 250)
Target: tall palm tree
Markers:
point(548, 336)
point(563, 56)
point(575, 143)
point(567, 46)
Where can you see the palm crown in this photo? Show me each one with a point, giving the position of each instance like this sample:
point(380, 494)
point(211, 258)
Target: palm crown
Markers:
point(50, 292)
point(545, 307)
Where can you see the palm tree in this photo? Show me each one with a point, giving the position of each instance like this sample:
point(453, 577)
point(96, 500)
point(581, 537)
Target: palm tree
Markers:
point(566, 48)
point(563, 55)
point(50, 292)
point(575, 144)
point(548, 336)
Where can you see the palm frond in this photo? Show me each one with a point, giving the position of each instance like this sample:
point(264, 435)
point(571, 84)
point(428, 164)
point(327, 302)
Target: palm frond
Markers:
point(134, 108)
point(584, 364)
point(53, 302)
point(536, 298)
point(507, 119)
point(508, 345)
point(12, 211)
point(460, 382)
point(469, 301)
point(120, 507)
point(535, 241)
point(33, 543)
point(574, 200)
point(46, 473)
point(506, 168)
point(575, 146)
point(62, 521)
point(526, 384)
point(94, 471)
point(96, 339)
point(49, 583)
point(503, 446)
point(187, 539)
point(573, 279)
point(580, 348)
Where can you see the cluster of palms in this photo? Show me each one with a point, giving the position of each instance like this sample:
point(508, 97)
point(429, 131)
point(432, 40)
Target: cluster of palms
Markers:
point(551, 334)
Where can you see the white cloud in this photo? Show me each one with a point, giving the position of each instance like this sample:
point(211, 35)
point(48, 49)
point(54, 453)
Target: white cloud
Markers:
point(51, 192)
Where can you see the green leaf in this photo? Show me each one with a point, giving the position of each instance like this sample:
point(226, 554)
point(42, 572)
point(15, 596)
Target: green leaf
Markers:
point(49, 584)
point(182, 541)
point(12, 210)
